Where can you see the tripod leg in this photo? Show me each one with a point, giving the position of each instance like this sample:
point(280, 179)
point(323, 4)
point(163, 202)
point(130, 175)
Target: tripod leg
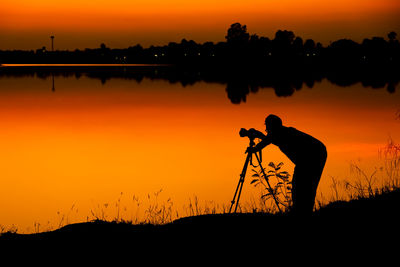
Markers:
point(240, 184)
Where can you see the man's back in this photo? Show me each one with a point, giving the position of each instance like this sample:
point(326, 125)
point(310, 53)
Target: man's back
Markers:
point(299, 147)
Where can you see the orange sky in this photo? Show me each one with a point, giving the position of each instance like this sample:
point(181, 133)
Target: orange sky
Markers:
point(28, 24)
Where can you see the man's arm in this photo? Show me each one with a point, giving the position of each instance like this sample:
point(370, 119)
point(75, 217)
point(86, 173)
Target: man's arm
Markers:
point(256, 133)
point(265, 141)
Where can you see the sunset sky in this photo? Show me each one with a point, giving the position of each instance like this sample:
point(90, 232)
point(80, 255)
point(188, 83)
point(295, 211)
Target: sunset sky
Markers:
point(27, 24)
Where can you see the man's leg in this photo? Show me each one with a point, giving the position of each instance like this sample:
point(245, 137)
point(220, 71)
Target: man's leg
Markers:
point(304, 188)
point(316, 173)
point(301, 191)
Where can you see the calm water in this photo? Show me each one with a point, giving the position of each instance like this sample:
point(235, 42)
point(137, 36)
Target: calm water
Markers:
point(75, 147)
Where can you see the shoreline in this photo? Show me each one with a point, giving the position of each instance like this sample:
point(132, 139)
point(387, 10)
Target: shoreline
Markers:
point(82, 65)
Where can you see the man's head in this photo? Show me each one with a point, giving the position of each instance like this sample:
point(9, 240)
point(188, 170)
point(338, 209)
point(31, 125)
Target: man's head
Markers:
point(273, 123)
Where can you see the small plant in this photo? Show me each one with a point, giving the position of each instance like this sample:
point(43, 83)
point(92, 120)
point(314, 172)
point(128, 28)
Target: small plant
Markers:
point(209, 207)
point(4, 231)
point(369, 184)
point(157, 213)
point(363, 185)
point(280, 185)
point(391, 158)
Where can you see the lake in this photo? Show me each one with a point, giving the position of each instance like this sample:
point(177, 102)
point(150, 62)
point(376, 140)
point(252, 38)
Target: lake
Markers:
point(75, 146)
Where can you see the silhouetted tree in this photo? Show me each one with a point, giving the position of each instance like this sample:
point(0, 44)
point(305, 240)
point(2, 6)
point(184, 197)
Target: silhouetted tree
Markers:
point(375, 51)
point(259, 49)
point(394, 48)
point(284, 38)
point(208, 51)
point(309, 46)
point(298, 46)
point(190, 49)
point(135, 53)
point(254, 39)
point(344, 50)
point(237, 44)
point(240, 50)
point(282, 45)
point(237, 34)
point(392, 36)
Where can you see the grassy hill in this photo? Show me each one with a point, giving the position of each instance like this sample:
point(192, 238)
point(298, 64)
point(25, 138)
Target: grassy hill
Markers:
point(373, 216)
point(355, 232)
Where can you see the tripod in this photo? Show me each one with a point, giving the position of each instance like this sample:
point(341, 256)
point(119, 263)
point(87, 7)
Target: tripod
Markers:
point(238, 191)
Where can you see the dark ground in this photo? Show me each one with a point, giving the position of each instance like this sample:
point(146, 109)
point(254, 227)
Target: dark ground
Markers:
point(360, 229)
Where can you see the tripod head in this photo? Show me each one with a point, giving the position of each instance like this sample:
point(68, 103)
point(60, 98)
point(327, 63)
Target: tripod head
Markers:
point(251, 134)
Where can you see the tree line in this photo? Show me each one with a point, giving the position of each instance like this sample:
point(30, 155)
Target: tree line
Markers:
point(239, 48)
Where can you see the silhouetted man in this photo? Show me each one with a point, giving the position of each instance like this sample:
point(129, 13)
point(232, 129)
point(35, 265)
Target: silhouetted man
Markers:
point(306, 152)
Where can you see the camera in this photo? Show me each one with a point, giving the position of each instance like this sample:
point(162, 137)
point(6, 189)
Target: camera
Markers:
point(250, 133)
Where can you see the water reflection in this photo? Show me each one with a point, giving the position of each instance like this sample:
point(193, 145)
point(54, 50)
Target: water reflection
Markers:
point(53, 88)
point(107, 131)
point(239, 82)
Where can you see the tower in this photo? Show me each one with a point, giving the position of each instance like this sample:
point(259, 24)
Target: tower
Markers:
point(52, 43)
